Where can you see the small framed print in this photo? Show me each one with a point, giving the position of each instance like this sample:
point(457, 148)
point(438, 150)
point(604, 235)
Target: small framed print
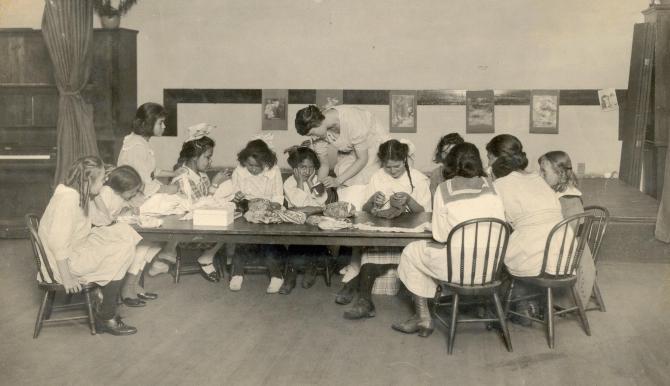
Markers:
point(607, 99)
point(402, 111)
point(273, 109)
point(480, 112)
point(544, 111)
point(326, 99)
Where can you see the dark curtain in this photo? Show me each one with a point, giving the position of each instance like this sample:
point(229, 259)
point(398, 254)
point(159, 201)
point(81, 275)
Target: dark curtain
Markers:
point(67, 27)
point(663, 218)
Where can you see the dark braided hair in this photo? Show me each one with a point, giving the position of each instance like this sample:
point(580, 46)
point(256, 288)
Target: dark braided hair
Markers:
point(464, 161)
point(307, 118)
point(194, 149)
point(80, 175)
point(449, 139)
point(297, 154)
point(509, 154)
point(394, 150)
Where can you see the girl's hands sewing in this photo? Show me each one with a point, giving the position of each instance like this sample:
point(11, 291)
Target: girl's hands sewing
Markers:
point(221, 177)
point(399, 200)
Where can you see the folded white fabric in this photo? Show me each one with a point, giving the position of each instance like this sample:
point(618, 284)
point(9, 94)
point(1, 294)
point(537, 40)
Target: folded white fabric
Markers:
point(370, 227)
point(161, 204)
point(225, 191)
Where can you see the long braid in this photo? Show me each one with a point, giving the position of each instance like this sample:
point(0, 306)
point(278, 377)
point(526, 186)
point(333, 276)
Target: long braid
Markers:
point(79, 178)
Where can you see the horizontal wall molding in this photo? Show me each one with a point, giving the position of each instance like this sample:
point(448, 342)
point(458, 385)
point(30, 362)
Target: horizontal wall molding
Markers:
point(172, 97)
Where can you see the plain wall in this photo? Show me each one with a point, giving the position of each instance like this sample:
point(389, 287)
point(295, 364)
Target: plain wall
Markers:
point(383, 44)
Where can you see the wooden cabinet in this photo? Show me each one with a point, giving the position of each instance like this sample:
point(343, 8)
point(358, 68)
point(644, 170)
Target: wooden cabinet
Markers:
point(29, 112)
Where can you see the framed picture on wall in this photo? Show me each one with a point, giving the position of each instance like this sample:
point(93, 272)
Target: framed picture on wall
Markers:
point(273, 109)
point(480, 112)
point(607, 99)
point(402, 111)
point(544, 111)
point(329, 98)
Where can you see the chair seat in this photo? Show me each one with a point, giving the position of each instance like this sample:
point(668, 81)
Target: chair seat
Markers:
point(60, 287)
point(548, 281)
point(474, 290)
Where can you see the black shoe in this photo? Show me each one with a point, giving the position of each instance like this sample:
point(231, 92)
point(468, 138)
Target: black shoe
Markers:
point(147, 296)
point(414, 325)
point(212, 276)
point(346, 294)
point(134, 302)
point(362, 309)
point(287, 286)
point(309, 278)
point(114, 326)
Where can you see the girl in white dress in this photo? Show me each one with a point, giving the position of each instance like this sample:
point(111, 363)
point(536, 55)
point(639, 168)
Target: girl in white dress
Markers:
point(82, 254)
point(465, 196)
point(393, 190)
point(257, 176)
point(122, 185)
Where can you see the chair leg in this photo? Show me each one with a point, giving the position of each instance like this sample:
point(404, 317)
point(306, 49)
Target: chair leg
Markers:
point(452, 326)
point(40, 315)
point(50, 304)
point(328, 263)
point(68, 298)
point(598, 295)
point(550, 318)
point(503, 323)
point(89, 310)
point(580, 311)
point(177, 267)
point(508, 300)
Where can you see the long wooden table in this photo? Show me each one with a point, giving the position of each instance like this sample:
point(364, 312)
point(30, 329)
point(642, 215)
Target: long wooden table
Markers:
point(243, 232)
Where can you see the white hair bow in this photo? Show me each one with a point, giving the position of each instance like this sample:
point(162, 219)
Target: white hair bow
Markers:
point(410, 145)
point(268, 138)
point(198, 131)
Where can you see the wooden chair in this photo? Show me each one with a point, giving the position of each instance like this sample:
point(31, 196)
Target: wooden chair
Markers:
point(567, 260)
point(488, 239)
point(47, 283)
point(601, 218)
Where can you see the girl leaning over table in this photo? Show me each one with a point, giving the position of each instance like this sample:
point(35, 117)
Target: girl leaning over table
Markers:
point(82, 254)
point(467, 195)
point(393, 190)
point(257, 176)
point(122, 185)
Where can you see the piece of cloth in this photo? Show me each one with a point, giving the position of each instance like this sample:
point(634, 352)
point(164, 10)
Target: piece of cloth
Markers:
point(138, 153)
point(297, 197)
point(571, 204)
point(456, 200)
point(371, 227)
point(161, 204)
point(383, 182)
point(532, 208)
point(268, 184)
point(94, 255)
point(67, 28)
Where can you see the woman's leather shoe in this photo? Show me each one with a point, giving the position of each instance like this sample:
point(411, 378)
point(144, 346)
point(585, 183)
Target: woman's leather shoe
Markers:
point(212, 276)
point(414, 325)
point(147, 296)
point(346, 294)
point(362, 309)
point(114, 326)
point(309, 278)
point(134, 302)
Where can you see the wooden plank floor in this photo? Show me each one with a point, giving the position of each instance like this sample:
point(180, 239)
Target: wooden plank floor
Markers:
point(199, 333)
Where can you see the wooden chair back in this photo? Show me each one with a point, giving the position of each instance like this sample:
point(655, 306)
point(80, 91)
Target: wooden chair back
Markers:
point(481, 244)
point(565, 245)
point(601, 219)
point(44, 269)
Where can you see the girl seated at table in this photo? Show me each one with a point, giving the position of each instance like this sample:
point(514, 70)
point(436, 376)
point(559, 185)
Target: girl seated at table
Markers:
point(82, 254)
point(466, 196)
point(257, 176)
point(195, 159)
point(440, 174)
point(304, 193)
point(556, 169)
point(394, 189)
point(122, 185)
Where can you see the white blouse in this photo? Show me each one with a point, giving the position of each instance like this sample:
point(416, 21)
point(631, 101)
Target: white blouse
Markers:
point(298, 198)
point(383, 182)
point(138, 153)
point(267, 184)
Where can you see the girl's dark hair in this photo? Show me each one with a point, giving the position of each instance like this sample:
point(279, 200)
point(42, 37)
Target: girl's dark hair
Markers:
point(449, 139)
point(297, 154)
point(464, 161)
point(194, 149)
point(123, 179)
point(146, 117)
point(308, 118)
point(394, 150)
point(562, 165)
point(79, 177)
point(258, 150)
point(509, 154)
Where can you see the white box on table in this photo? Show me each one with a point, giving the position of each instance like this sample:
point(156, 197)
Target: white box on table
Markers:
point(222, 216)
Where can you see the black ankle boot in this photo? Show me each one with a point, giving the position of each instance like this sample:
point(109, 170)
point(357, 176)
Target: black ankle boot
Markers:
point(362, 309)
point(114, 326)
point(346, 294)
point(289, 282)
point(309, 278)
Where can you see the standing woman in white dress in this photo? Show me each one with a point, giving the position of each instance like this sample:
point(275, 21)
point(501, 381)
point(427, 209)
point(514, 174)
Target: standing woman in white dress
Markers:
point(356, 135)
